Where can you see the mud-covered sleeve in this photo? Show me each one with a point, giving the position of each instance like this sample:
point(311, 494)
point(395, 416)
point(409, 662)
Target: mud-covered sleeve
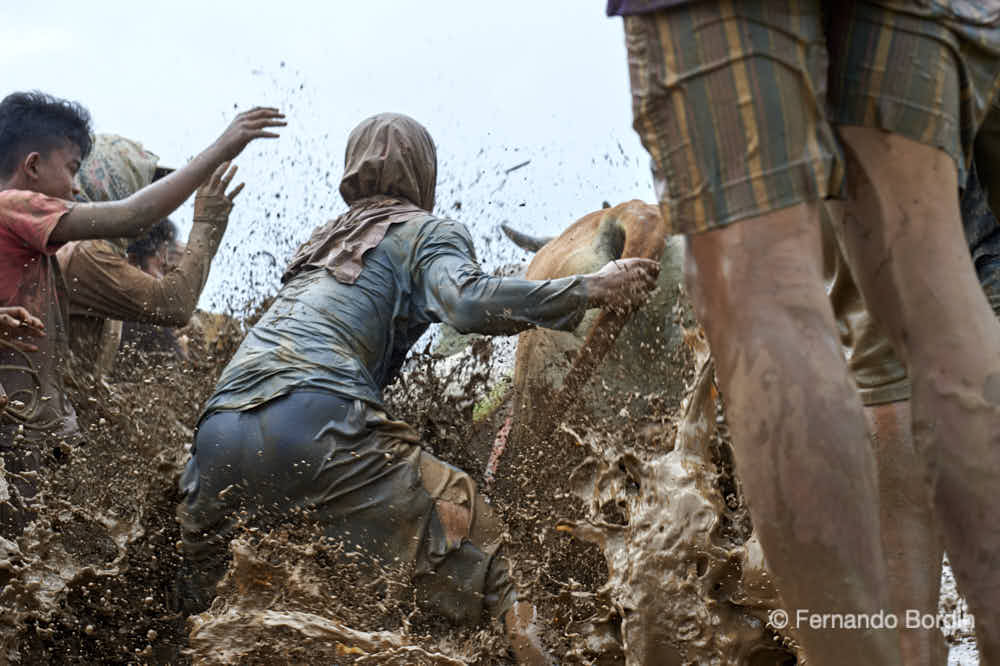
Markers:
point(103, 283)
point(452, 288)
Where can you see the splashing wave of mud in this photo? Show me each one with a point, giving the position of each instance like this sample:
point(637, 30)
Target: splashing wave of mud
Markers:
point(630, 543)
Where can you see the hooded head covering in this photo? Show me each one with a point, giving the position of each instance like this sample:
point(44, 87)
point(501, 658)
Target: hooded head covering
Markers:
point(390, 174)
point(116, 169)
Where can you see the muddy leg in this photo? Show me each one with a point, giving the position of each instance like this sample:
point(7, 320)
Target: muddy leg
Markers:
point(798, 427)
point(905, 244)
point(909, 535)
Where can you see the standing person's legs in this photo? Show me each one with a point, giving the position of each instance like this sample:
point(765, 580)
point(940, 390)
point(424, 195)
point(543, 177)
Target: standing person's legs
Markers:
point(905, 137)
point(910, 538)
point(745, 154)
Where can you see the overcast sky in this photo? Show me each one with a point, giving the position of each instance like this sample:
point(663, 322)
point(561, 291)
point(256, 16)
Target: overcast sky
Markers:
point(496, 83)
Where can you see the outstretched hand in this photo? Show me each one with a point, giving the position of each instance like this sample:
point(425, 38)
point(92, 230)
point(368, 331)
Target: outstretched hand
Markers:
point(16, 323)
point(246, 127)
point(623, 284)
point(212, 204)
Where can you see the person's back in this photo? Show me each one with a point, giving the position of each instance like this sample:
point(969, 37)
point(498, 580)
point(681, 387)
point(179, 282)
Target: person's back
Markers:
point(351, 339)
point(327, 335)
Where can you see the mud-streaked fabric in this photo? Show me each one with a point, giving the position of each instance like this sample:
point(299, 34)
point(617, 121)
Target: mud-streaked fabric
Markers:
point(878, 373)
point(351, 339)
point(930, 78)
point(390, 175)
point(362, 477)
point(729, 100)
point(730, 97)
point(104, 287)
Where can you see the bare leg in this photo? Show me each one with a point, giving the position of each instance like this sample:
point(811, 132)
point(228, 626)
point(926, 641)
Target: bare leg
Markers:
point(904, 240)
point(798, 425)
point(909, 535)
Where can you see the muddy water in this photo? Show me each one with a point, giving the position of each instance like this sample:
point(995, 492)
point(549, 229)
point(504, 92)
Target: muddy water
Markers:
point(633, 542)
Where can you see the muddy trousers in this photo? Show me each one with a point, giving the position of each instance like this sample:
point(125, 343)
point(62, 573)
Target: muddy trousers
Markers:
point(341, 464)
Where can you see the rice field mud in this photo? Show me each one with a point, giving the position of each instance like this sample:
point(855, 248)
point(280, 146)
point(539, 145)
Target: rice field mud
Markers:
point(629, 534)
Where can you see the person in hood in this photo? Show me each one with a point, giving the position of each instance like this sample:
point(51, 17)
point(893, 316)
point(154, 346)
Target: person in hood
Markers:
point(297, 424)
point(105, 287)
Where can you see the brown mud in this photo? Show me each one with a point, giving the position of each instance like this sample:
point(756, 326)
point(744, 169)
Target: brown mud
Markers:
point(93, 579)
point(630, 536)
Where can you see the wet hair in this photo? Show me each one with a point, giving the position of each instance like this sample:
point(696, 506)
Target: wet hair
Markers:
point(37, 122)
point(149, 244)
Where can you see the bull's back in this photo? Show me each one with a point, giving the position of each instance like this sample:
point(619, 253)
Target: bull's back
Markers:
point(643, 358)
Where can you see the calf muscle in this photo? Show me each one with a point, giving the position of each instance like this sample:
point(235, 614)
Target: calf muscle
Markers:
point(798, 426)
point(904, 241)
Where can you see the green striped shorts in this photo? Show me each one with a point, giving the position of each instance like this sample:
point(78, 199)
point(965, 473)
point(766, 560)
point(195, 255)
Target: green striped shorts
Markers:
point(736, 100)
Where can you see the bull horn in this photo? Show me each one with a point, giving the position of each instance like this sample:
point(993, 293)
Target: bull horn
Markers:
point(525, 241)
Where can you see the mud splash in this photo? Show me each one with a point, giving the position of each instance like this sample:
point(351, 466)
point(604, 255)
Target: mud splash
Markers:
point(630, 537)
point(687, 579)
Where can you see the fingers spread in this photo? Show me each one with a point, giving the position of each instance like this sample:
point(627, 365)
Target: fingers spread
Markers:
point(232, 195)
point(217, 175)
point(228, 177)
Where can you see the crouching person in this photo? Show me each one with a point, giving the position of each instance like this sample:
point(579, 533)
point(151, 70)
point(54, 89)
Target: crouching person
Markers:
point(297, 422)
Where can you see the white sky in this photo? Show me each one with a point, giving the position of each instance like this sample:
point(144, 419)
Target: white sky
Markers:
point(496, 83)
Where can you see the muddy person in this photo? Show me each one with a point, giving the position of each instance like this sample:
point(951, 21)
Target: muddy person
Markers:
point(106, 288)
point(753, 112)
point(43, 142)
point(297, 421)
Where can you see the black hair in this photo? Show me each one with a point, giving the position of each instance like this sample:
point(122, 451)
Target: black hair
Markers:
point(147, 245)
point(37, 122)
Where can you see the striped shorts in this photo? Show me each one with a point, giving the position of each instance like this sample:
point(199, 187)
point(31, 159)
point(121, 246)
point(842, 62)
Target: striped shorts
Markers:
point(736, 100)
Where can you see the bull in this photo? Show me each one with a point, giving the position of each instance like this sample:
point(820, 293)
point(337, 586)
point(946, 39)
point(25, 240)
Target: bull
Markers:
point(609, 355)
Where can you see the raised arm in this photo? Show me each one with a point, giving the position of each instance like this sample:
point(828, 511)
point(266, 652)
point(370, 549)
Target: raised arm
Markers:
point(104, 283)
point(138, 213)
point(458, 292)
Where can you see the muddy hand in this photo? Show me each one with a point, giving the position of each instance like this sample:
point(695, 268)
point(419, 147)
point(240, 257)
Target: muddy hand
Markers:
point(623, 284)
point(212, 204)
point(16, 323)
point(246, 127)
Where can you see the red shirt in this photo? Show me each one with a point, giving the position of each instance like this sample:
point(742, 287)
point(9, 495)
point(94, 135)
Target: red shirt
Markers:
point(29, 276)
point(26, 221)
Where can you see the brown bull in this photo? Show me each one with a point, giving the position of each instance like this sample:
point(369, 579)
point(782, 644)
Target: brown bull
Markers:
point(610, 357)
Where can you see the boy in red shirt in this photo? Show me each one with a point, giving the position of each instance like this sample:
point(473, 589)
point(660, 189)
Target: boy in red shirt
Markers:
point(43, 140)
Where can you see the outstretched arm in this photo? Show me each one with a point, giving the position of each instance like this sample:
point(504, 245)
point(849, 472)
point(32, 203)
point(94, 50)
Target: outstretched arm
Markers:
point(138, 213)
point(458, 292)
